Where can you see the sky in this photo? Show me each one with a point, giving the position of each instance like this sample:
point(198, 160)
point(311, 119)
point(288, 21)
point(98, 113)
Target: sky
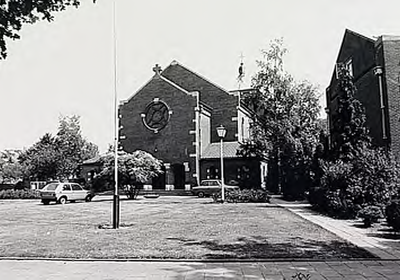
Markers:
point(66, 67)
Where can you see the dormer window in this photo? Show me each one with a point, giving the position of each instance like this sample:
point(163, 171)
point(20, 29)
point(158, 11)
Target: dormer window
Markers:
point(349, 66)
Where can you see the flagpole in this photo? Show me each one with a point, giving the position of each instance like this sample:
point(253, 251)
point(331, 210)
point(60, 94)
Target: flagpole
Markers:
point(116, 208)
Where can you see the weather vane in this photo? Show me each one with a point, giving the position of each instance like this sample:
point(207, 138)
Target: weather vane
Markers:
point(241, 70)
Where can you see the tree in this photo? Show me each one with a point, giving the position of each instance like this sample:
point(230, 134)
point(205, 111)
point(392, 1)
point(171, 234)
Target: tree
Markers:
point(10, 168)
point(133, 170)
point(15, 13)
point(73, 148)
point(285, 122)
point(58, 157)
point(349, 130)
point(41, 161)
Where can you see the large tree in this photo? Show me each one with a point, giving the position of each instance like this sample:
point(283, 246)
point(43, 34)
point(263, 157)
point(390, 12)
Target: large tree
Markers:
point(60, 156)
point(15, 13)
point(73, 147)
point(285, 125)
point(41, 161)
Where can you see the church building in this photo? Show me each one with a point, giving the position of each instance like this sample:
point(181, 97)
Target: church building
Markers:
point(175, 116)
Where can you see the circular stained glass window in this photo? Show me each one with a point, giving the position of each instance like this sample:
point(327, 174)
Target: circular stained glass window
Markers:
point(156, 115)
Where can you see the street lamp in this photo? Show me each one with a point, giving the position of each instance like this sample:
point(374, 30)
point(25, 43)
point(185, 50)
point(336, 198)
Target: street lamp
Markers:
point(221, 131)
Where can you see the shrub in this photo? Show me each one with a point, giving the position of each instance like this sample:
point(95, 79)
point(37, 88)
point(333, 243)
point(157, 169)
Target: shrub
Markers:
point(345, 186)
point(243, 196)
point(370, 214)
point(392, 213)
point(19, 194)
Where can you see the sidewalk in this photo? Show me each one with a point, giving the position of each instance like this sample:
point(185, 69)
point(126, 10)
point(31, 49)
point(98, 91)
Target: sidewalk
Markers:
point(384, 245)
point(352, 270)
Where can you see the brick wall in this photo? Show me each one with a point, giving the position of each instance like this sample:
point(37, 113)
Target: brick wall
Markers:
point(391, 70)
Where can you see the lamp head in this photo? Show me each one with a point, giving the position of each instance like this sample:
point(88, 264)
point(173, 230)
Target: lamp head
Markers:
point(221, 131)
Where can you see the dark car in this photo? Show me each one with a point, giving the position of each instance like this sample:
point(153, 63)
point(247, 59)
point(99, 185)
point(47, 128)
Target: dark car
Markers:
point(211, 186)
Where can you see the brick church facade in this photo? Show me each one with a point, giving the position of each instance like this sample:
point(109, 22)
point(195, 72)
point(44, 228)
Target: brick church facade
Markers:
point(375, 67)
point(174, 117)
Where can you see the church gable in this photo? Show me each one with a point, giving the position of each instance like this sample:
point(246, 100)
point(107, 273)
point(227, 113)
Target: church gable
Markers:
point(223, 103)
point(158, 112)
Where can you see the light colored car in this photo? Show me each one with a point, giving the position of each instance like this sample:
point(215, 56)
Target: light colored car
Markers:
point(211, 186)
point(63, 192)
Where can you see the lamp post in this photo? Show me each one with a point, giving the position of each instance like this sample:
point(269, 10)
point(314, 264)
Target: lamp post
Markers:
point(221, 131)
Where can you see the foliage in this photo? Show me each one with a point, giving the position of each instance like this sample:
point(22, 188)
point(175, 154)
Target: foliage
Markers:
point(10, 168)
point(370, 214)
point(392, 213)
point(19, 194)
point(351, 175)
point(285, 122)
point(40, 162)
point(134, 169)
point(15, 13)
point(349, 132)
point(372, 178)
point(58, 157)
point(73, 148)
point(243, 196)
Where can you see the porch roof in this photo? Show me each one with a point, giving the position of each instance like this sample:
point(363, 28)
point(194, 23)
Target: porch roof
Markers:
point(213, 150)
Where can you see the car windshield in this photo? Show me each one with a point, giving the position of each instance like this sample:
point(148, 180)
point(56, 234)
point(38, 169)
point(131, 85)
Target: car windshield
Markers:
point(51, 187)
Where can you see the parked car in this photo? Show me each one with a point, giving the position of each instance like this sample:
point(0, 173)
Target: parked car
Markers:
point(63, 192)
point(209, 187)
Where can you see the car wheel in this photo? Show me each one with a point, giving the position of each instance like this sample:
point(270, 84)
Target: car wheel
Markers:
point(62, 200)
point(46, 202)
point(88, 198)
point(200, 194)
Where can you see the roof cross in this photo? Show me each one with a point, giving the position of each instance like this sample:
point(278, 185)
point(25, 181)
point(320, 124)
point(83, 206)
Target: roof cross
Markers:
point(157, 69)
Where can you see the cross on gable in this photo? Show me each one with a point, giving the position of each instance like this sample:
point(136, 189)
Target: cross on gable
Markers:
point(157, 69)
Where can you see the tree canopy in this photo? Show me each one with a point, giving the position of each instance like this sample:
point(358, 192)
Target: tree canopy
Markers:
point(15, 13)
point(285, 124)
point(133, 168)
point(58, 157)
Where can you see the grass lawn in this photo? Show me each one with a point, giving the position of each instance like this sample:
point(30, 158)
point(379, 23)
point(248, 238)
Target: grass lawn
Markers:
point(167, 227)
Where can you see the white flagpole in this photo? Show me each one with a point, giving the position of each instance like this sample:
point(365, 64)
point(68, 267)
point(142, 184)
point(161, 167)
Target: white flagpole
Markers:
point(116, 207)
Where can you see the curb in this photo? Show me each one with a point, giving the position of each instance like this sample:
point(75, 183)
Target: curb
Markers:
point(283, 260)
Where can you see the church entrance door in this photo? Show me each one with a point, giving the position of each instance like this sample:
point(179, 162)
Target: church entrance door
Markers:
point(179, 175)
point(159, 181)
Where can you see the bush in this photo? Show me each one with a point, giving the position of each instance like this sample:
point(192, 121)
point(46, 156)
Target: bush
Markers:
point(19, 194)
point(344, 187)
point(392, 213)
point(370, 214)
point(243, 196)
